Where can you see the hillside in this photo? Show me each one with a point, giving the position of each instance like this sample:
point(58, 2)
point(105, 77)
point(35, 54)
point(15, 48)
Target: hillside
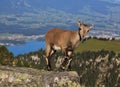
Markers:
point(97, 45)
point(95, 67)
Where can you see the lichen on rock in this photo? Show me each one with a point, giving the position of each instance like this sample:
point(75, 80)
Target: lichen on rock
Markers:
point(28, 77)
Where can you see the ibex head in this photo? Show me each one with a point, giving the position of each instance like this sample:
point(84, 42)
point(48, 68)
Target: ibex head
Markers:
point(83, 29)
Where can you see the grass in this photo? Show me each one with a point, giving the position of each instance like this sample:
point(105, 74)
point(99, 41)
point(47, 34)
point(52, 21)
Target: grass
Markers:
point(95, 45)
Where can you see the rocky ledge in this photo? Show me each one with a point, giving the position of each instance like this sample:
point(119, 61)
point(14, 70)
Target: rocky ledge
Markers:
point(29, 77)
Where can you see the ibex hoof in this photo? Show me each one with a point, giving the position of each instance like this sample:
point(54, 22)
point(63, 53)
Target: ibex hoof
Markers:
point(63, 68)
point(48, 68)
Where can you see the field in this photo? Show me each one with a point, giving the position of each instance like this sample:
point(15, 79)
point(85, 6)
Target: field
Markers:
point(95, 45)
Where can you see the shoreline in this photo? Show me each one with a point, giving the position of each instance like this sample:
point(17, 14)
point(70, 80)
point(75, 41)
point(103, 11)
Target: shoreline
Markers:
point(29, 46)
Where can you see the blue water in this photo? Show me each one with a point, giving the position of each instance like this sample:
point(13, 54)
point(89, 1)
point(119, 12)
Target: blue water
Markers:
point(29, 46)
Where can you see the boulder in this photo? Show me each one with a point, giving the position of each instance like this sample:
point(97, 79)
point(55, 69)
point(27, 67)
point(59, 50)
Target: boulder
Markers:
point(29, 77)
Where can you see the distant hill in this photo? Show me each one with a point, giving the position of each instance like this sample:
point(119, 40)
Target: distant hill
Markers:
point(30, 17)
point(20, 6)
point(112, 1)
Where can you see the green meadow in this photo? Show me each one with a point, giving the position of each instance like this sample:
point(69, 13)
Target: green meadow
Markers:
point(96, 45)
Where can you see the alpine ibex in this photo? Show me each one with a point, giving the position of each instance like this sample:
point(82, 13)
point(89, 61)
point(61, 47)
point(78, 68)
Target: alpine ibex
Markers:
point(65, 40)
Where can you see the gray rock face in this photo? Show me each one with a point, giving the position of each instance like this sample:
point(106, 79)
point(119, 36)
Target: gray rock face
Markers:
point(28, 77)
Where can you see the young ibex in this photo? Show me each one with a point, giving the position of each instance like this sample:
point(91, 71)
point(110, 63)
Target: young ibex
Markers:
point(65, 40)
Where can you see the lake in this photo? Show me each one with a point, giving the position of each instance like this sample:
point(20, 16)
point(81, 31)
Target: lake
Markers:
point(29, 46)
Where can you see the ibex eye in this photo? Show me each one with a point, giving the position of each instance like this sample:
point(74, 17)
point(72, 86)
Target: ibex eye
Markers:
point(79, 28)
point(88, 31)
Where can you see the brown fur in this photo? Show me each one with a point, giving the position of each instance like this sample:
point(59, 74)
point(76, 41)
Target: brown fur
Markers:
point(61, 38)
point(65, 40)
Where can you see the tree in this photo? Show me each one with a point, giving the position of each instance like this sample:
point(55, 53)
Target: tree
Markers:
point(6, 57)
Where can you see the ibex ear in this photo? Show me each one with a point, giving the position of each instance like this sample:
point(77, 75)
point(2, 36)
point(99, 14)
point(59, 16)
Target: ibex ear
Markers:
point(79, 22)
point(91, 26)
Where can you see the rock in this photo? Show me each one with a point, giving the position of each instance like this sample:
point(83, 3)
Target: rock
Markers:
point(28, 77)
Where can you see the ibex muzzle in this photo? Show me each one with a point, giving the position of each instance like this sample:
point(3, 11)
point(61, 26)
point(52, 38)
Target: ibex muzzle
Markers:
point(65, 40)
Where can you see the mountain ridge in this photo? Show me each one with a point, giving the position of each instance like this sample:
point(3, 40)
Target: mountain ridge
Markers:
point(31, 17)
point(70, 6)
